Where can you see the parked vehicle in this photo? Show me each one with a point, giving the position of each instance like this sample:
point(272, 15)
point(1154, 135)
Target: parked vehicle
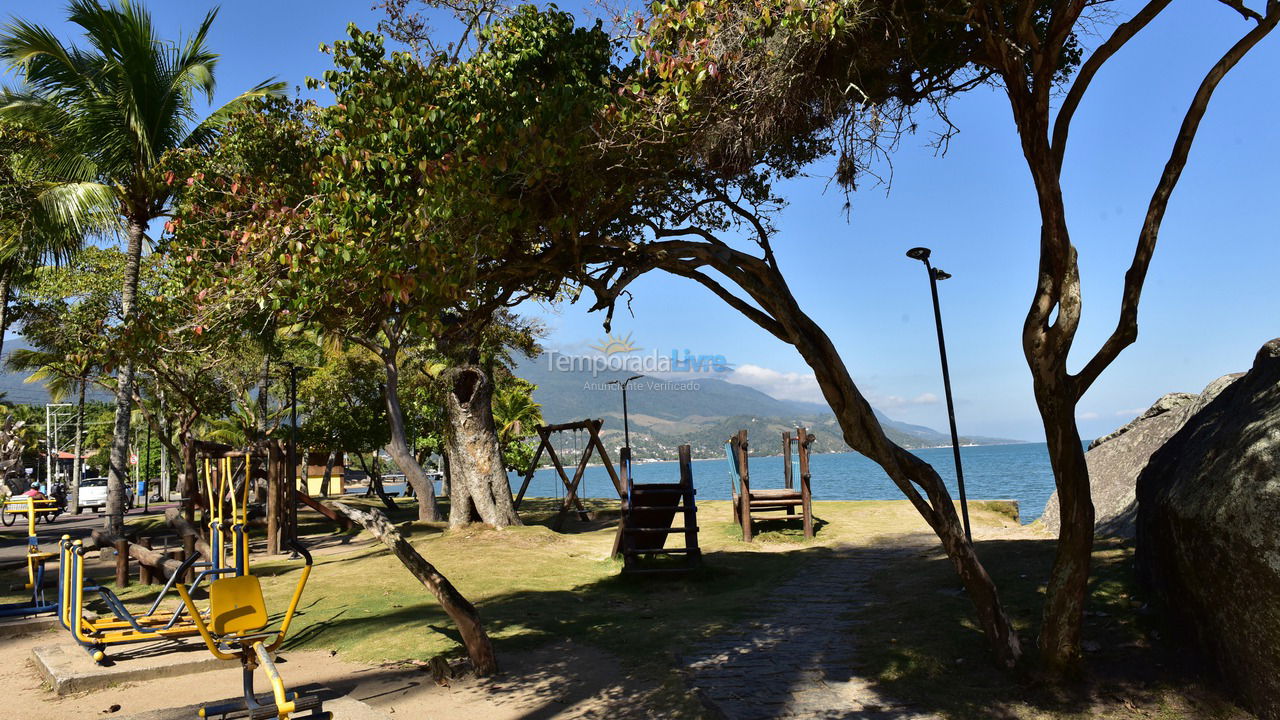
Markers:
point(93, 495)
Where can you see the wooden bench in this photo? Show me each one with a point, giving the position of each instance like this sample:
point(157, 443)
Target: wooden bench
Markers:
point(750, 504)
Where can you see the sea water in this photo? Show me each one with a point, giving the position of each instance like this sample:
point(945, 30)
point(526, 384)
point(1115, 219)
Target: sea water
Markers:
point(991, 472)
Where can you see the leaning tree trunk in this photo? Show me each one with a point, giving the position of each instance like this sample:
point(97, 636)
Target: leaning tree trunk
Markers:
point(328, 474)
point(118, 473)
point(77, 464)
point(863, 432)
point(459, 609)
point(375, 484)
point(399, 450)
point(478, 480)
point(781, 315)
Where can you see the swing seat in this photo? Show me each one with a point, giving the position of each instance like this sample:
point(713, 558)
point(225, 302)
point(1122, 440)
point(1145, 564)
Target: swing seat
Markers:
point(236, 606)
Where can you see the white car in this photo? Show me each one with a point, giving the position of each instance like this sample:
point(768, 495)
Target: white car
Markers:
point(93, 494)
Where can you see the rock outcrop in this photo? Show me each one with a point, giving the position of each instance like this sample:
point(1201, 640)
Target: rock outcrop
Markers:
point(1208, 532)
point(1115, 460)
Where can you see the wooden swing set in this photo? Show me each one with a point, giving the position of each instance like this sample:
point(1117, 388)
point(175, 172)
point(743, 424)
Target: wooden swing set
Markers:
point(593, 444)
point(648, 510)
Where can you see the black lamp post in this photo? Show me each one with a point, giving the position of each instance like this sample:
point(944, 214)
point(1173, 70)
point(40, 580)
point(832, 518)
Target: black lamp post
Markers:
point(936, 274)
point(626, 428)
point(624, 456)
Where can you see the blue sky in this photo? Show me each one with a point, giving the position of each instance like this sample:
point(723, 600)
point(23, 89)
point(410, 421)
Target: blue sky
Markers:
point(1210, 300)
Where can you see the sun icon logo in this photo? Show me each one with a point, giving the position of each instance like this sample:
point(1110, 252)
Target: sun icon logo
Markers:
point(612, 345)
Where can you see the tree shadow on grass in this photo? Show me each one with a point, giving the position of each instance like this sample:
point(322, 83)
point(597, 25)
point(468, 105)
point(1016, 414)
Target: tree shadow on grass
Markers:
point(890, 618)
point(919, 642)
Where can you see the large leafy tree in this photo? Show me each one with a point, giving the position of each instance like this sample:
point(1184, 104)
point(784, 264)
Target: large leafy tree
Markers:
point(113, 110)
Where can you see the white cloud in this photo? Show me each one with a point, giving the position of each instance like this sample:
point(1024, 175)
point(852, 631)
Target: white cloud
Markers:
point(804, 387)
point(781, 385)
point(1130, 413)
point(1088, 416)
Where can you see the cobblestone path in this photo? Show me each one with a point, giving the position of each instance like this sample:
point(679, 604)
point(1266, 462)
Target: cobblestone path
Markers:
point(798, 658)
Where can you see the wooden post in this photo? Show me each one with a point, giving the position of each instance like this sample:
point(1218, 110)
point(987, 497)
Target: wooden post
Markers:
point(273, 500)
point(533, 467)
point(122, 563)
point(786, 467)
point(744, 480)
point(805, 440)
point(786, 459)
point(690, 508)
point(144, 572)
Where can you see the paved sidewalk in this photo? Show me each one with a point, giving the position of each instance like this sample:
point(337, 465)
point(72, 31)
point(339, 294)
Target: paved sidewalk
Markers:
point(798, 659)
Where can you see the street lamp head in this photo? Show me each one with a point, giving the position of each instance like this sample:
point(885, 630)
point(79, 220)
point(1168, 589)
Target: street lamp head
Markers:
point(919, 253)
point(939, 274)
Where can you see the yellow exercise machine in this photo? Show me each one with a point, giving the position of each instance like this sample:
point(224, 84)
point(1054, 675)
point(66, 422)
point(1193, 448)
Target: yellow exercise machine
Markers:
point(235, 629)
point(227, 524)
point(33, 508)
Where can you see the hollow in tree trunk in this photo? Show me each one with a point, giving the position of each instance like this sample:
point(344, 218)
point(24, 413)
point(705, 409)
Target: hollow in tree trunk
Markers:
point(478, 480)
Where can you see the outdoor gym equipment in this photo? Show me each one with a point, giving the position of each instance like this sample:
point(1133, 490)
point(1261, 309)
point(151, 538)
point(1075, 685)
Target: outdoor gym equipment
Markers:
point(749, 502)
point(235, 628)
point(227, 525)
point(545, 433)
point(648, 520)
point(35, 559)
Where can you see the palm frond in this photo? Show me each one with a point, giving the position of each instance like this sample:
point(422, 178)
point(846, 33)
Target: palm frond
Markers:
point(86, 206)
point(206, 132)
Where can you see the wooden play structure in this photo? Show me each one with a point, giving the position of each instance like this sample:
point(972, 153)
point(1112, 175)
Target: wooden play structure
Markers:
point(270, 462)
point(648, 512)
point(593, 444)
point(749, 502)
point(648, 521)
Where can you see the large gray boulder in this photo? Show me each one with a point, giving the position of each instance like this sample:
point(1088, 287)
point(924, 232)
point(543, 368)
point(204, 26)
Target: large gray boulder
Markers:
point(1208, 532)
point(1115, 460)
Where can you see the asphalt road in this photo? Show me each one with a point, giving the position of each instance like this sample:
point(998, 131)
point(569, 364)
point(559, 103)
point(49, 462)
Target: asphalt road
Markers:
point(13, 539)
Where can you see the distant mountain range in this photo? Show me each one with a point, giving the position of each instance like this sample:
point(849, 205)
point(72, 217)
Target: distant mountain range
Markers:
point(702, 412)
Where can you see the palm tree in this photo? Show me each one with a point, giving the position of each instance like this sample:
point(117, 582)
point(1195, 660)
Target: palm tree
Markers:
point(113, 111)
point(515, 413)
point(29, 235)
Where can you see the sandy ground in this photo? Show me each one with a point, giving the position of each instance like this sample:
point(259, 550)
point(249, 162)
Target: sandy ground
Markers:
point(561, 681)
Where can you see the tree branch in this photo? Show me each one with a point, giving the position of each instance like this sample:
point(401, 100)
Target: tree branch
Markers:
point(1126, 331)
point(1121, 35)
